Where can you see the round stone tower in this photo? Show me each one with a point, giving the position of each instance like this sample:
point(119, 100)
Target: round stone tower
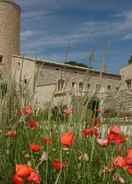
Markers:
point(9, 31)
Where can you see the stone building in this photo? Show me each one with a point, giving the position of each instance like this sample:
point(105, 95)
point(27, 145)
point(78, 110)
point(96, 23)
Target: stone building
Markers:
point(61, 81)
point(9, 32)
point(48, 79)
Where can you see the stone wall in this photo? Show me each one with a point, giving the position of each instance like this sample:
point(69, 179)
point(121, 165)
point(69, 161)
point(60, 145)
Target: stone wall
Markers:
point(9, 32)
point(126, 72)
point(24, 70)
point(124, 101)
point(48, 74)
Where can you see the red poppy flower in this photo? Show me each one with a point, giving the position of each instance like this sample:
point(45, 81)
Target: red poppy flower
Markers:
point(34, 177)
point(129, 152)
point(90, 132)
point(115, 138)
point(68, 110)
point(35, 147)
point(17, 180)
point(25, 173)
point(119, 161)
point(115, 129)
point(103, 142)
point(27, 110)
point(11, 133)
point(129, 170)
point(57, 164)
point(67, 138)
point(47, 140)
point(128, 160)
point(23, 170)
point(124, 162)
point(32, 124)
point(114, 135)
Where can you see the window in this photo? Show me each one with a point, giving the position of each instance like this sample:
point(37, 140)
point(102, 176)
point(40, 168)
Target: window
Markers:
point(41, 73)
point(80, 86)
point(128, 82)
point(1, 58)
point(117, 88)
point(98, 86)
point(18, 63)
point(73, 84)
point(88, 86)
point(25, 81)
point(3, 88)
point(109, 87)
point(60, 84)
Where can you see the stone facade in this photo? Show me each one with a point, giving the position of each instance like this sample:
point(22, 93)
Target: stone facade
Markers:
point(126, 74)
point(9, 32)
point(61, 81)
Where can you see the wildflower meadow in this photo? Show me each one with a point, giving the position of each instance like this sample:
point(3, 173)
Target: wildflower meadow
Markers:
point(36, 148)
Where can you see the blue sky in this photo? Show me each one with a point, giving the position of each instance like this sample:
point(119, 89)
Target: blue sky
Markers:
point(73, 29)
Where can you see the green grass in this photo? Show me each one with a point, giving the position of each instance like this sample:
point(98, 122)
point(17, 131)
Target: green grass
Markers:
point(78, 169)
point(85, 160)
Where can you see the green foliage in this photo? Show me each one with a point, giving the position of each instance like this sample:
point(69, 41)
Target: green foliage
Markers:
point(130, 60)
point(85, 159)
point(3, 88)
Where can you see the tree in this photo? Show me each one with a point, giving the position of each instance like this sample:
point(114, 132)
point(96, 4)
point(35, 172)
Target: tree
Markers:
point(130, 60)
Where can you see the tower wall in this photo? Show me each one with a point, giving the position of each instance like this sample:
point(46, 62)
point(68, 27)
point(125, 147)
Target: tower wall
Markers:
point(9, 31)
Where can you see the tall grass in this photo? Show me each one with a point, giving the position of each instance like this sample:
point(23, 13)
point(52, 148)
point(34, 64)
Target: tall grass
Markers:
point(86, 162)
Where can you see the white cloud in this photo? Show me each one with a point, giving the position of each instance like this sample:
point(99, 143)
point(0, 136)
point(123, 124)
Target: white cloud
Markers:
point(127, 36)
point(125, 24)
point(83, 32)
point(50, 31)
point(33, 14)
point(86, 31)
point(27, 34)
